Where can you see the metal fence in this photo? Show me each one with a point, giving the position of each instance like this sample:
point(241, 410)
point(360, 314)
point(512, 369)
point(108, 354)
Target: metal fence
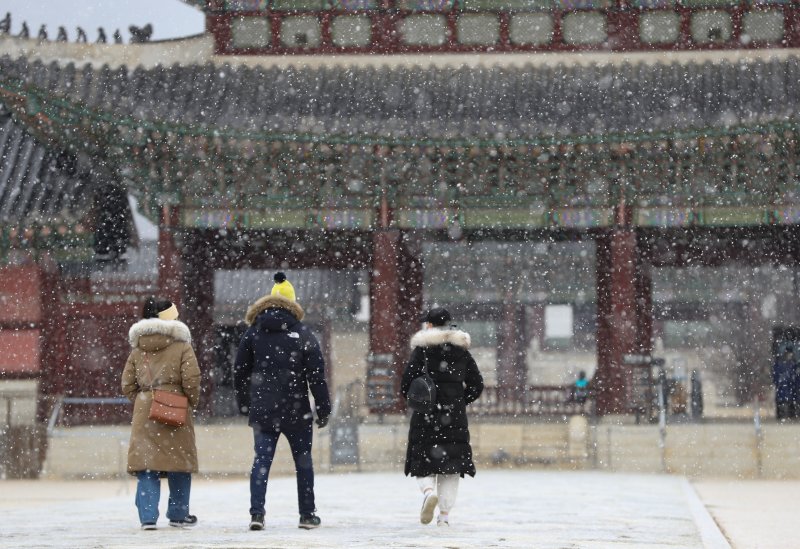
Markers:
point(539, 400)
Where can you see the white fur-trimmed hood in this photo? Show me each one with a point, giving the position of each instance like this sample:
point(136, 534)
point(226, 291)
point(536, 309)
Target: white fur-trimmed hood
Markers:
point(175, 329)
point(439, 336)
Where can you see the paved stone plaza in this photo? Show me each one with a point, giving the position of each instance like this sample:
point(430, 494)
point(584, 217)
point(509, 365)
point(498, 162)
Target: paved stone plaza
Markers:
point(496, 509)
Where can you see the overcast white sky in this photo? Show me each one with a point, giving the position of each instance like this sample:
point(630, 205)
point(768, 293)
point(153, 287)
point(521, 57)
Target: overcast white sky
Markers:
point(170, 18)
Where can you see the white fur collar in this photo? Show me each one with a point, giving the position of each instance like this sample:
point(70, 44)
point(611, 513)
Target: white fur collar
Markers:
point(173, 328)
point(440, 336)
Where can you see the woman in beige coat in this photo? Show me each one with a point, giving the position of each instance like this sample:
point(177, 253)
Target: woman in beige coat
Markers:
point(162, 358)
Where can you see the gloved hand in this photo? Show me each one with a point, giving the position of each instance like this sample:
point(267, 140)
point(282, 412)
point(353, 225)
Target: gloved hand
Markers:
point(322, 421)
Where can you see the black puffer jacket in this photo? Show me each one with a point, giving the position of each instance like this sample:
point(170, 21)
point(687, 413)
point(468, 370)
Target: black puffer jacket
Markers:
point(438, 443)
point(278, 360)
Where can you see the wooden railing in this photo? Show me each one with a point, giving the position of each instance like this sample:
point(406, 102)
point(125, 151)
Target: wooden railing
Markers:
point(535, 400)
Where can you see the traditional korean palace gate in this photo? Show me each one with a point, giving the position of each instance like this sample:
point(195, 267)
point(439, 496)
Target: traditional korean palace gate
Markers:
point(353, 167)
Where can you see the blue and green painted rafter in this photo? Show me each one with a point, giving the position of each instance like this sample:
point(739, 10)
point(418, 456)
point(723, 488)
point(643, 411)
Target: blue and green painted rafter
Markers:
point(225, 177)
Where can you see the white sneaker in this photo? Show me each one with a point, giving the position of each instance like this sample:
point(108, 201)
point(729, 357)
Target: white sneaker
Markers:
point(442, 522)
point(428, 506)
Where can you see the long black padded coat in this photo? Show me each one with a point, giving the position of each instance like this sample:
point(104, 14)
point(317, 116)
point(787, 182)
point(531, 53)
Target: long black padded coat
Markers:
point(438, 443)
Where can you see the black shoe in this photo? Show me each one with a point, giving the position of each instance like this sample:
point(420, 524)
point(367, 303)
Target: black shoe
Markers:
point(256, 522)
point(309, 522)
point(187, 522)
point(148, 526)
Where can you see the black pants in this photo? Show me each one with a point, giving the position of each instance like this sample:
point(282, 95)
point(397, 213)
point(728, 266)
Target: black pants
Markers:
point(785, 409)
point(300, 444)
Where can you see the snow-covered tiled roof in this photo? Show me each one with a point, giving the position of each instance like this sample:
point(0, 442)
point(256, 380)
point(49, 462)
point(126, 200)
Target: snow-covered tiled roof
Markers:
point(469, 103)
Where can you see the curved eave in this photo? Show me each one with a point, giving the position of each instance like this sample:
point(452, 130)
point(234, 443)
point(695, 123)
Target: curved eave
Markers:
point(495, 106)
point(38, 187)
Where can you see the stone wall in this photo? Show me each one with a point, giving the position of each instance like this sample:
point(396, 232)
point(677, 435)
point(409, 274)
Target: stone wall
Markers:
point(727, 450)
point(21, 439)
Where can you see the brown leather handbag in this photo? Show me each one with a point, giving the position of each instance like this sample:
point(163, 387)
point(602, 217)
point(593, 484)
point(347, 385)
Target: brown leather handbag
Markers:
point(167, 408)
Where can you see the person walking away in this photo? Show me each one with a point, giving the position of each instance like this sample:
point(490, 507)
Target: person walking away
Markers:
point(278, 360)
point(161, 358)
point(439, 452)
point(784, 379)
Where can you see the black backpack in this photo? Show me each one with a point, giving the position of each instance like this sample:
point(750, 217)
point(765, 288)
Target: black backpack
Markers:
point(422, 393)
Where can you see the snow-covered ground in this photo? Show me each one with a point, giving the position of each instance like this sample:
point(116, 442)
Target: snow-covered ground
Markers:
point(754, 514)
point(495, 509)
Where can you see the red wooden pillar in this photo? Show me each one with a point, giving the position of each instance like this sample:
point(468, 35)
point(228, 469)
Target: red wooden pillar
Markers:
point(644, 299)
point(411, 284)
point(197, 309)
point(52, 327)
point(170, 266)
point(395, 292)
point(624, 315)
point(512, 370)
point(534, 323)
point(384, 323)
point(327, 350)
point(186, 277)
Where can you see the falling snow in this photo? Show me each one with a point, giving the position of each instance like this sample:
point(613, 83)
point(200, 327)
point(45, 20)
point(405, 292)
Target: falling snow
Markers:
point(605, 199)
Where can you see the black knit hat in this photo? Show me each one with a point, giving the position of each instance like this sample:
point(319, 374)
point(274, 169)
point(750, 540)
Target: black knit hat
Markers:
point(152, 307)
point(437, 316)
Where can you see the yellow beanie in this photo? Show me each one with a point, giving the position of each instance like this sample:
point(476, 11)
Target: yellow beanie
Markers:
point(283, 287)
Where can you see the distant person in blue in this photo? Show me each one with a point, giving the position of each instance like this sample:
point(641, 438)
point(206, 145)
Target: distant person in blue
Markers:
point(784, 378)
point(580, 389)
point(278, 361)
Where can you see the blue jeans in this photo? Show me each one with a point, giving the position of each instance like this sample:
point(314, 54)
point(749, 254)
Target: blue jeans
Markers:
point(148, 492)
point(300, 444)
